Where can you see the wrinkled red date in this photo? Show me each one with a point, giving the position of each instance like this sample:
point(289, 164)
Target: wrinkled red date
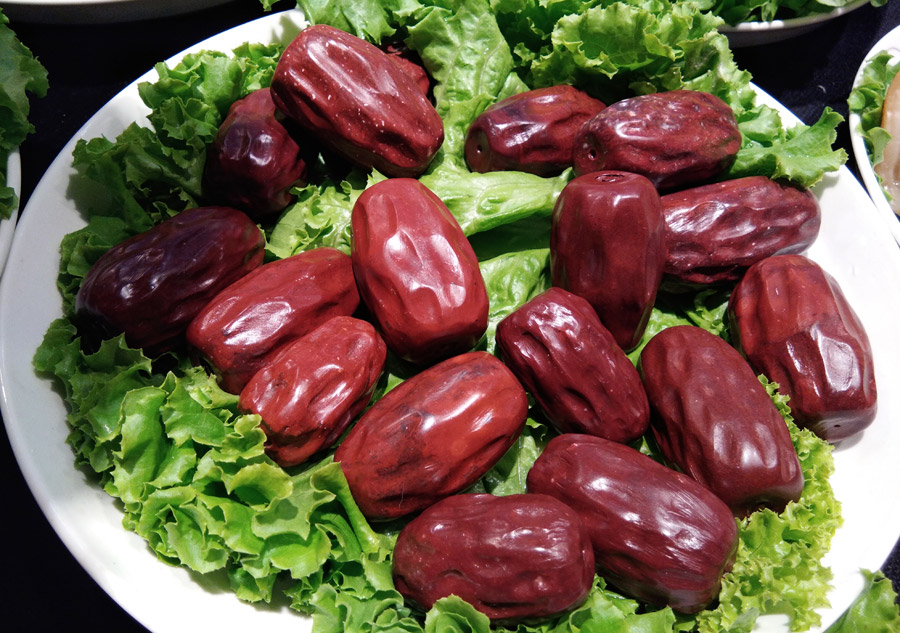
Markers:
point(657, 534)
point(792, 321)
point(715, 421)
point(279, 301)
point(715, 232)
point(417, 272)
point(311, 389)
point(410, 63)
point(565, 357)
point(532, 132)
point(607, 245)
point(253, 161)
point(673, 138)
point(358, 101)
point(433, 435)
point(152, 285)
point(511, 557)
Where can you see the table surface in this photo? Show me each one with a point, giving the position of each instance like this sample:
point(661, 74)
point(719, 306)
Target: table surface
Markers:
point(805, 73)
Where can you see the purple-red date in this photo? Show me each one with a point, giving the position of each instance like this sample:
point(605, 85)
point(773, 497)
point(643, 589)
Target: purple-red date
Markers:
point(715, 232)
point(433, 435)
point(674, 138)
point(715, 421)
point(279, 301)
point(511, 557)
point(357, 100)
point(254, 161)
point(571, 364)
point(791, 320)
point(417, 272)
point(152, 285)
point(607, 244)
point(311, 389)
point(658, 535)
point(532, 131)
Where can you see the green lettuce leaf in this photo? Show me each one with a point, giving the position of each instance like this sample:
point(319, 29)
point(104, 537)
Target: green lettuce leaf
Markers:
point(875, 610)
point(21, 75)
point(867, 100)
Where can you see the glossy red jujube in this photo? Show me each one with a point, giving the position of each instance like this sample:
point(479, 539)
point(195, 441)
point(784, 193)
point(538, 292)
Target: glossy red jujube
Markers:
point(513, 557)
point(658, 535)
point(715, 232)
point(433, 435)
point(310, 391)
point(151, 286)
point(417, 272)
point(792, 321)
point(572, 366)
point(715, 421)
point(607, 245)
point(253, 161)
point(279, 301)
point(358, 101)
point(533, 131)
point(674, 138)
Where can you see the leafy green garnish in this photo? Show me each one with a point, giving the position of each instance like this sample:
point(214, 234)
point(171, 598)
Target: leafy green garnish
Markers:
point(21, 74)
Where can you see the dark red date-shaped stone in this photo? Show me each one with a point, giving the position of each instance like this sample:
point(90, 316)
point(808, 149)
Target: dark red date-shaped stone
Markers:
point(716, 422)
point(532, 132)
point(358, 101)
point(279, 301)
point(433, 435)
point(514, 557)
point(565, 357)
point(152, 285)
point(715, 232)
point(417, 272)
point(310, 391)
point(792, 321)
point(673, 138)
point(254, 161)
point(658, 535)
point(607, 245)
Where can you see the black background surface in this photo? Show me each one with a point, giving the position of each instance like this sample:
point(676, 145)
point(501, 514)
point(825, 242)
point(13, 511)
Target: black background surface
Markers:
point(89, 64)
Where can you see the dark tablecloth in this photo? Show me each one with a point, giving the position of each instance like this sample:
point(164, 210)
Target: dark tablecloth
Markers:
point(89, 64)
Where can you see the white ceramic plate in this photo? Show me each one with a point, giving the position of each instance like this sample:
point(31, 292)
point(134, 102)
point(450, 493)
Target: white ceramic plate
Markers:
point(890, 43)
point(8, 226)
point(98, 11)
point(853, 246)
point(758, 33)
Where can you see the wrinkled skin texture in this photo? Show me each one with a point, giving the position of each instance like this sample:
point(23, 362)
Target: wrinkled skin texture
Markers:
point(657, 534)
point(433, 435)
point(715, 232)
point(511, 557)
point(791, 320)
point(254, 161)
point(674, 138)
point(532, 131)
point(358, 101)
point(310, 391)
point(564, 356)
point(417, 272)
point(152, 285)
point(607, 245)
point(715, 421)
point(279, 301)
